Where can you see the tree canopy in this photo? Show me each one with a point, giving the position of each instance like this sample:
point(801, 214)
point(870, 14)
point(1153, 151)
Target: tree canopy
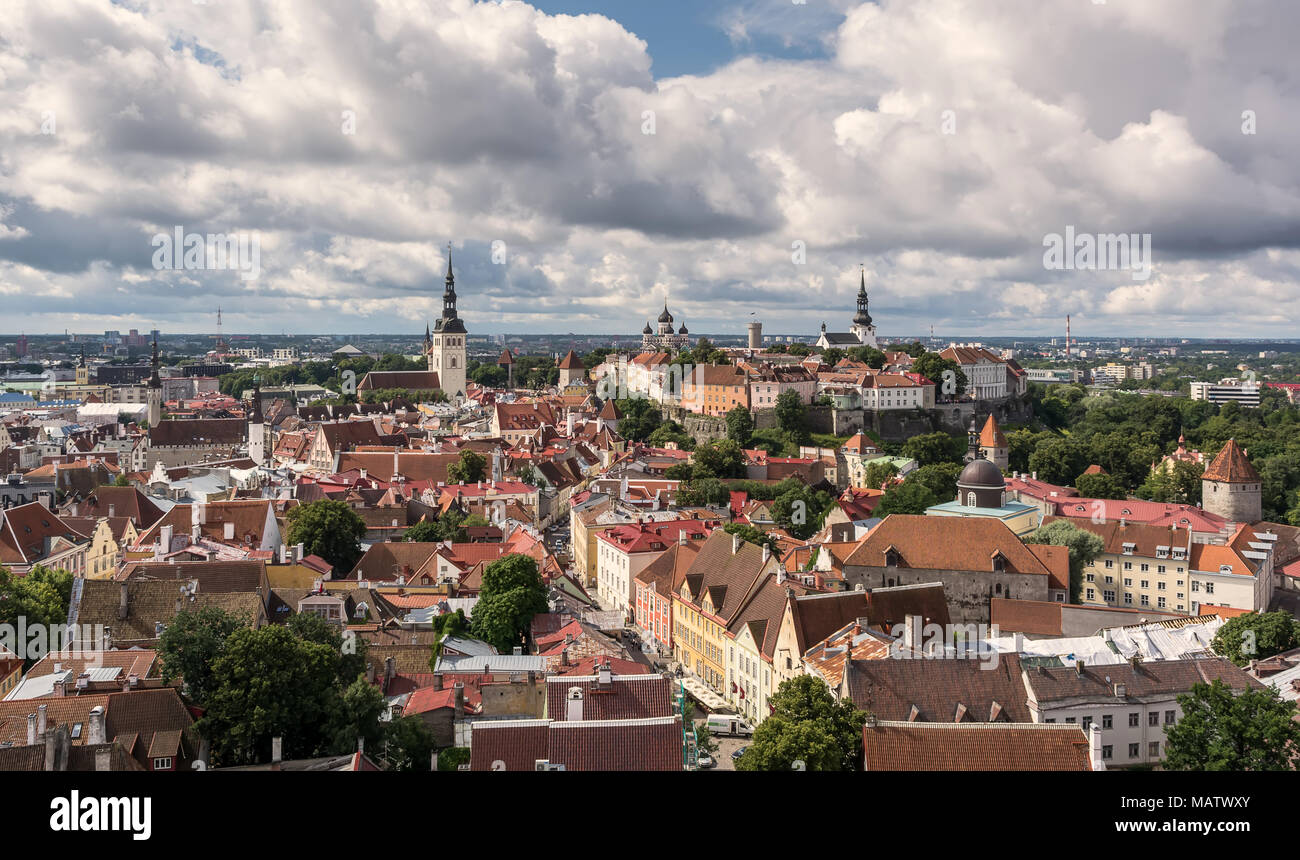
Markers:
point(329, 529)
point(1223, 730)
point(807, 724)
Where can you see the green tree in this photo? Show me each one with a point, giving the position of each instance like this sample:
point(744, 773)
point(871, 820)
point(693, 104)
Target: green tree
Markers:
point(719, 458)
point(410, 745)
point(310, 627)
point(1256, 636)
point(930, 448)
point(640, 418)
point(1057, 461)
point(671, 432)
point(190, 645)
point(807, 724)
point(511, 594)
point(798, 511)
point(1253, 730)
point(329, 529)
point(905, 498)
point(357, 718)
point(792, 415)
point(698, 492)
point(750, 534)
point(1084, 547)
point(939, 478)
point(933, 366)
point(1099, 486)
point(740, 425)
point(269, 683)
point(877, 472)
point(444, 625)
point(121, 481)
point(41, 597)
point(471, 468)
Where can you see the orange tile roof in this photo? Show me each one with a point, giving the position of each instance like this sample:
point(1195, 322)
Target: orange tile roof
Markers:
point(1231, 466)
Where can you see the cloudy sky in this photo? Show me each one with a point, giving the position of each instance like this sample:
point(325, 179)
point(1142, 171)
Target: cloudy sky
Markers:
point(588, 160)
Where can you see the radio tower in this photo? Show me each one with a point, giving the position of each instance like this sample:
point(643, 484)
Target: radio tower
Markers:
point(1067, 338)
point(220, 346)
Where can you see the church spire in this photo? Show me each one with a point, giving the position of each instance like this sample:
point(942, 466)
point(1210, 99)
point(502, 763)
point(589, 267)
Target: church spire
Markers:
point(154, 380)
point(450, 321)
point(862, 317)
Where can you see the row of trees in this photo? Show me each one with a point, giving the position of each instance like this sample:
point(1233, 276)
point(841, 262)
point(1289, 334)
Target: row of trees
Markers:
point(1127, 433)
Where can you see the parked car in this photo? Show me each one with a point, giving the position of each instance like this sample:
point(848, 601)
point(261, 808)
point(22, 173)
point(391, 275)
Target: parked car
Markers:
point(705, 761)
point(735, 756)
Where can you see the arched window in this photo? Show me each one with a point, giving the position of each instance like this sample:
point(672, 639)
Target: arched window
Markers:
point(970, 500)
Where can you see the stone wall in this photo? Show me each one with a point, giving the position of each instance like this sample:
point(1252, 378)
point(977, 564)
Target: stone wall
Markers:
point(968, 591)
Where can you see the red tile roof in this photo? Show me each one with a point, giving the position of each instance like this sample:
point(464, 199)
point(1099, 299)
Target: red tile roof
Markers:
point(975, 746)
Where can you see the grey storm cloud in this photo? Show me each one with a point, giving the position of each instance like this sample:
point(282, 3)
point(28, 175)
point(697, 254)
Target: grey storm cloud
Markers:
point(937, 142)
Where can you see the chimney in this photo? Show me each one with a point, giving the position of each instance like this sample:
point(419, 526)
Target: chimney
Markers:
point(518, 651)
point(228, 531)
point(605, 675)
point(564, 657)
point(767, 553)
point(97, 726)
point(112, 510)
point(31, 729)
point(390, 671)
point(297, 553)
point(277, 746)
point(1079, 667)
point(60, 688)
point(735, 544)
point(458, 694)
point(1094, 747)
point(574, 712)
point(104, 760)
point(42, 721)
point(437, 682)
point(123, 603)
point(912, 626)
point(165, 533)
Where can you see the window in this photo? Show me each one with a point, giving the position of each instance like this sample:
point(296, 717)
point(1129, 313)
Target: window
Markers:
point(162, 763)
point(1109, 596)
point(1160, 586)
point(1153, 718)
point(1196, 586)
point(1145, 601)
point(1209, 588)
point(1091, 578)
point(1128, 582)
point(1170, 716)
point(1128, 599)
point(1146, 583)
point(1110, 580)
point(1106, 721)
point(1069, 719)
point(1145, 568)
point(1050, 720)
point(1106, 751)
point(1128, 565)
point(1110, 563)
point(1133, 750)
point(1153, 749)
point(1092, 595)
point(1133, 720)
point(1160, 603)
point(1087, 723)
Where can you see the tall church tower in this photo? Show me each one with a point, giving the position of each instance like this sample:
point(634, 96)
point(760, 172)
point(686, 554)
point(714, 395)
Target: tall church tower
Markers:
point(862, 328)
point(154, 395)
point(83, 372)
point(256, 426)
point(447, 351)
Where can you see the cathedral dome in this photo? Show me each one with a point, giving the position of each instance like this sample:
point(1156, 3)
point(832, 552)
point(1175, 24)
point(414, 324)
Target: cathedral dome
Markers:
point(981, 473)
point(683, 330)
point(665, 317)
point(647, 329)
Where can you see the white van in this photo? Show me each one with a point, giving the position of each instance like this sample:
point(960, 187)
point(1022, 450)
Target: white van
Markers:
point(729, 724)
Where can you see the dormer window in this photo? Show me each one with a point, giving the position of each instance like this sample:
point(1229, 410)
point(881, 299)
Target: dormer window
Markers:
point(891, 557)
